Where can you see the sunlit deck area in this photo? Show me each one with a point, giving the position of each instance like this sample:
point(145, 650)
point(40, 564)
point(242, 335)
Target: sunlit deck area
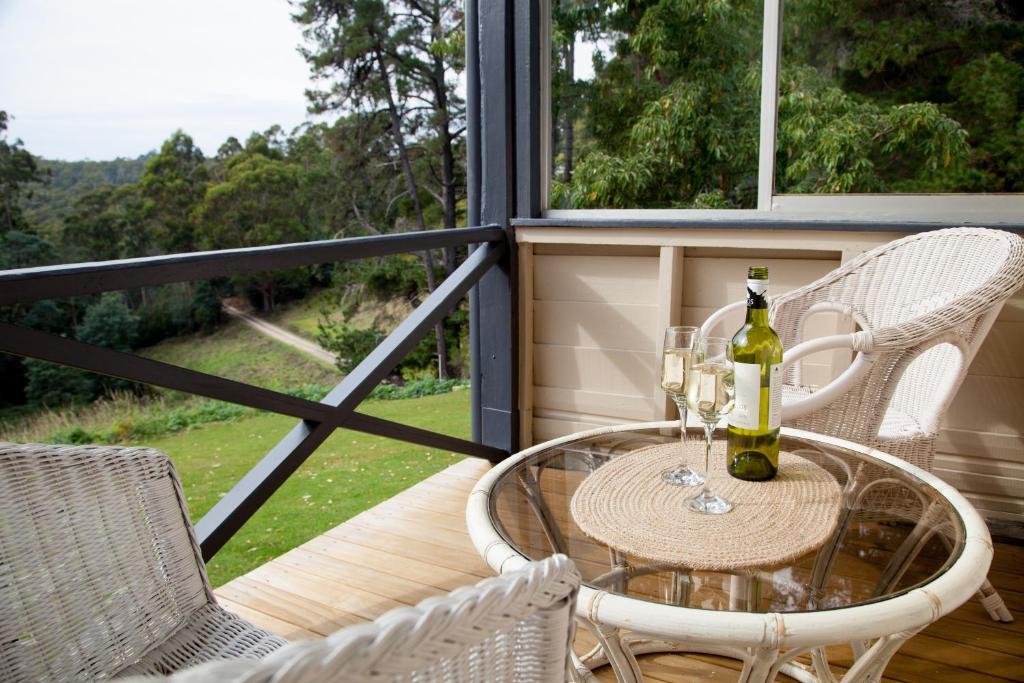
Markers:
point(415, 545)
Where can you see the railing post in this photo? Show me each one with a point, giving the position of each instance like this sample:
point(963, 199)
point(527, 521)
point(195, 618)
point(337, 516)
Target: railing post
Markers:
point(494, 328)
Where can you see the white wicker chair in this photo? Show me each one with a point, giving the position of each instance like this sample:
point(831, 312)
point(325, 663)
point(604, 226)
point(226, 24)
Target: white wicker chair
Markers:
point(514, 628)
point(100, 572)
point(923, 305)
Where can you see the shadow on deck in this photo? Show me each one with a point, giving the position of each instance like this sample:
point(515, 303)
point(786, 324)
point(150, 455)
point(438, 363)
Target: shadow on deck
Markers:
point(415, 545)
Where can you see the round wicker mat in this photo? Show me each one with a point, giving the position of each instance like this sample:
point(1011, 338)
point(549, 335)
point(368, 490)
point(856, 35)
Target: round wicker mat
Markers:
point(627, 506)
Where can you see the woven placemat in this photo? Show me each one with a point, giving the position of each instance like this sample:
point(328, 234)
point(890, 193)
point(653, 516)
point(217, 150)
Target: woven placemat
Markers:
point(627, 506)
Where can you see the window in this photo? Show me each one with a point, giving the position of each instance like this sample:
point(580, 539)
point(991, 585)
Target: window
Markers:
point(655, 105)
point(670, 104)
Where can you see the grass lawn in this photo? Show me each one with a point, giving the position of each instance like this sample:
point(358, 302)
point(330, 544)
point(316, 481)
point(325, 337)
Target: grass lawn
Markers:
point(346, 475)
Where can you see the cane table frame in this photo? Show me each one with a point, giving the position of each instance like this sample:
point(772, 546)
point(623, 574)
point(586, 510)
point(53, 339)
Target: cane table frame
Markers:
point(766, 642)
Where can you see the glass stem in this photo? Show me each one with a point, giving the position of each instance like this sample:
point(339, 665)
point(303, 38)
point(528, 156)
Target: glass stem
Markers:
point(709, 431)
point(681, 405)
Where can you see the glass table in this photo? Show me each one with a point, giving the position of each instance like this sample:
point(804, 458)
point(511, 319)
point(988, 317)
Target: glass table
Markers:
point(896, 549)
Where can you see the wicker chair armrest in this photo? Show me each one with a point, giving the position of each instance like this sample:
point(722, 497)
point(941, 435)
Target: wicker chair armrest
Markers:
point(857, 341)
point(838, 387)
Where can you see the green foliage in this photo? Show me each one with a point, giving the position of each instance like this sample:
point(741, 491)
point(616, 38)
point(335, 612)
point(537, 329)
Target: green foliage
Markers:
point(172, 186)
point(875, 97)
point(20, 249)
point(109, 223)
point(18, 170)
point(53, 201)
point(832, 141)
point(206, 309)
point(54, 385)
point(109, 323)
point(161, 423)
point(256, 204)
point(165, 312)
point(48, 316)
point(385, 276)
point(428, 386)
point(350, 345)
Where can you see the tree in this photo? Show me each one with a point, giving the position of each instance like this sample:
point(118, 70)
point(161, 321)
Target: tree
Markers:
point(394, 58)
point(172, 186)
point(107, 323)
point(255, 205)
point(18, 170)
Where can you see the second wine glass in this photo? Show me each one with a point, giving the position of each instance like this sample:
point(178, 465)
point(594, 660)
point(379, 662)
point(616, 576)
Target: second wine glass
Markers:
point(676, 356)
point(710, 391)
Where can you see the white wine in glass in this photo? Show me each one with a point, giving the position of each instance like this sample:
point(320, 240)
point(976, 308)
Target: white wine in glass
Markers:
point(711, 392)
point(676, 357)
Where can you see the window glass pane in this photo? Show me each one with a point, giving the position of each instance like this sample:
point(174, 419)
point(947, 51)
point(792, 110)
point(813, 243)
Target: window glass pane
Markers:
point(655, 104)
point(910, 96)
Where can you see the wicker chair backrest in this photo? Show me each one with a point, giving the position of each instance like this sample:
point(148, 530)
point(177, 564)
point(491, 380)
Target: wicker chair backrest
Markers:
point(923, 304)
point(98, 563)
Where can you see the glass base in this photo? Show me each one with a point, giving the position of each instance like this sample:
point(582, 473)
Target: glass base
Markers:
point(709, 503)
point(682, 476)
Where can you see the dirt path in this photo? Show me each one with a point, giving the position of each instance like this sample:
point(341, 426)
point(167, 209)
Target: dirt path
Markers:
point(282, 335)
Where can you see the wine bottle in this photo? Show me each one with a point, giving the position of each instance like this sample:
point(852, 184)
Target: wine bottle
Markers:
point(752, 450)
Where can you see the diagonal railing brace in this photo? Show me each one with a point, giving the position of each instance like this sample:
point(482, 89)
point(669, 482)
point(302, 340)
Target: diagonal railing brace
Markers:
point(242, 501)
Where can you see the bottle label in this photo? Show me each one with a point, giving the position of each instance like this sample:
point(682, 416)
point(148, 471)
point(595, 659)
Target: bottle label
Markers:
point(756, 293)
point(746, 410)
point(748, 396)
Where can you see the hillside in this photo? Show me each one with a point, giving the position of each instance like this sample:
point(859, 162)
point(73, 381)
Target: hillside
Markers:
point(49, 203)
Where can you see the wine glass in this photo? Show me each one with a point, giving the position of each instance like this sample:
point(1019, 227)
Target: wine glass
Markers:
point(675, 366)
point(711, 391)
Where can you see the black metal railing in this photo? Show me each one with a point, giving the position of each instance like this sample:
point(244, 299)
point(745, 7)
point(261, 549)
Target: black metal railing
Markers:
point(318, 420)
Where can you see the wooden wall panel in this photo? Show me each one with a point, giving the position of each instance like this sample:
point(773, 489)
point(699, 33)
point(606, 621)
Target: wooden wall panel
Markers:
point(710, 282)
point(600, 299)
point(594, 338)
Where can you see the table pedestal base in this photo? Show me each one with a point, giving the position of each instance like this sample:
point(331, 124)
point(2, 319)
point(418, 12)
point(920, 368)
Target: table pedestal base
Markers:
point(760, 665)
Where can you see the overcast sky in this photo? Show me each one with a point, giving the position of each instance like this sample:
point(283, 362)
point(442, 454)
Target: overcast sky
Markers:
point(100, 79)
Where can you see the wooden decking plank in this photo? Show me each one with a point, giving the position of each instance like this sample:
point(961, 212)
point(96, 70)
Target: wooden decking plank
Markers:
point(311, 615)
point(346, 599)
point(273, 624)
point(442, 578)
point(454, 558)
point(332, 570)
point(443, 538)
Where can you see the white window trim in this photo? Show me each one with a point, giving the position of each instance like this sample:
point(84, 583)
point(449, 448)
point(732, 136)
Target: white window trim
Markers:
point(953, 209)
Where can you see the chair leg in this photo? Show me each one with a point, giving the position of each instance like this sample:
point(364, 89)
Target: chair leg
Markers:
point(993, 603)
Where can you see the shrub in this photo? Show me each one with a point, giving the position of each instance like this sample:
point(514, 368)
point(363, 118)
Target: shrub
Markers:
point(350, 345)
point(110, 324)
point(53, 385)
point(206, 307)
point(166, 314)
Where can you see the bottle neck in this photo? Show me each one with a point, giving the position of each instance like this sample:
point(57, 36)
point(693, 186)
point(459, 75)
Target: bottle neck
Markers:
point(757, 316)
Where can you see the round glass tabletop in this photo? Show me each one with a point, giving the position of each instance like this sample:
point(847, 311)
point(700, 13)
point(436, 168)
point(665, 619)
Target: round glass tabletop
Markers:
point(838, 527)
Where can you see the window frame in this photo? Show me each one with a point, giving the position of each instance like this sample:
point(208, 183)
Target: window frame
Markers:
point(938, 209)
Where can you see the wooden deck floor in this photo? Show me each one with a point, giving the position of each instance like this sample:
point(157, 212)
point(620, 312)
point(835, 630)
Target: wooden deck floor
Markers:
point(415, 545)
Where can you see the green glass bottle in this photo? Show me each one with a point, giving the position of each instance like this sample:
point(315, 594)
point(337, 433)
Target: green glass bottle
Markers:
point(753, 435)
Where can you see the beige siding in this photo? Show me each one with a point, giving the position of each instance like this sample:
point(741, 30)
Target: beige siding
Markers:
point(594, 338)
point(981, 449)
point(596, 303)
